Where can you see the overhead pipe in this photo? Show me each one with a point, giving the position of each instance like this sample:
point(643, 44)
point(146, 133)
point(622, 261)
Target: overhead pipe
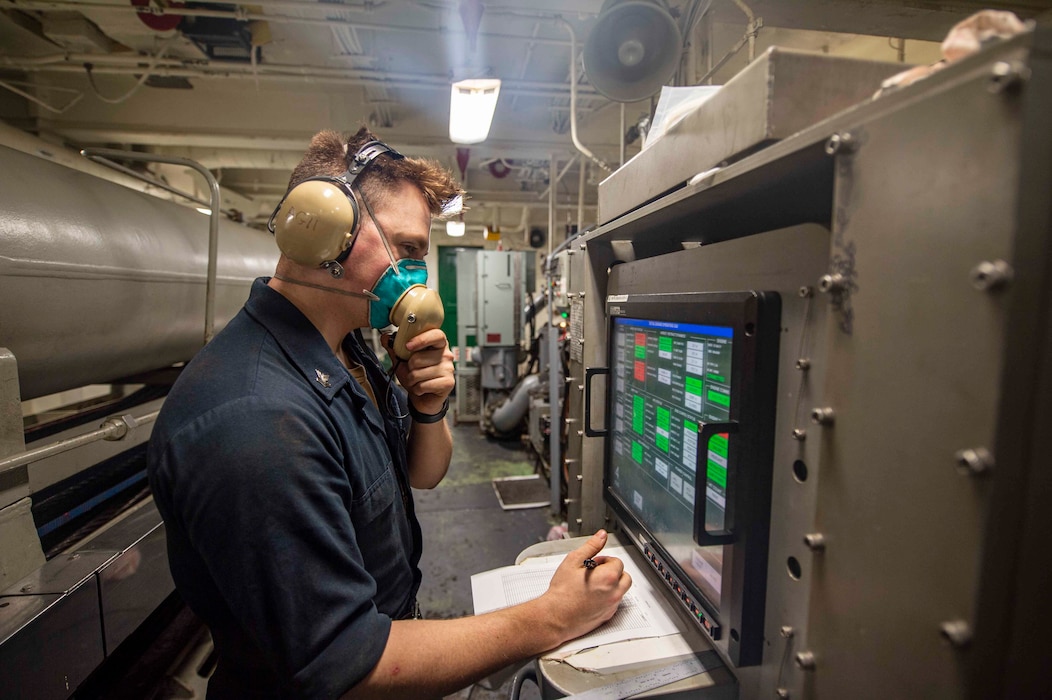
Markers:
point(751, 28)
point(723, 61)
point(77, 97)
point(434, 146)
point(132, 65)
point(510, 198)
point(524, 220)
point(580, 195)
point(256, 159)
point(117, 167)
point(526, 60)
point(245, 15)
point(140, 62)
point(26, 143)
point(558, 178)
point(573, 100)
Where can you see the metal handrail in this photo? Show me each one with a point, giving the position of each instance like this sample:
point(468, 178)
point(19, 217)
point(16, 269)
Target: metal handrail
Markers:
point(112, 429)
point(103, 155)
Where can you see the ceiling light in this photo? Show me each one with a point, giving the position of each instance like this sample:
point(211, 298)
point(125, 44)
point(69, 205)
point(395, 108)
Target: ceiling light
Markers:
point(455, 229)
point(471, 106)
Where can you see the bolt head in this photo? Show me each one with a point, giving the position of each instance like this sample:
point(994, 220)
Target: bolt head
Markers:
point(805, 660)
point(1007, 75)
point(989, 275)
point(974, 461)
point(828, 284)
point(822, 416)
point(815, 541)
point(840, 143)
point(956, 632)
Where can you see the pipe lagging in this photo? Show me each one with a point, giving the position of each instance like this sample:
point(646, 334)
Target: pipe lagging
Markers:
point(510, 412)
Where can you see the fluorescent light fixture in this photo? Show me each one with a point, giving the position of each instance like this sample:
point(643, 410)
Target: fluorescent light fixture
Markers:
point(471, 106)
point(455, 229)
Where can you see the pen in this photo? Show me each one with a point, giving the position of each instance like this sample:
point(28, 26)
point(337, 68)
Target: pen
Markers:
point(590, 563)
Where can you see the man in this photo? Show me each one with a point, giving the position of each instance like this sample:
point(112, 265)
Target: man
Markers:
point(282, 460)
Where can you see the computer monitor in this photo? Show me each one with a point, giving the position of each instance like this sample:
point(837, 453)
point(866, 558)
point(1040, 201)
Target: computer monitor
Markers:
point(690, 413)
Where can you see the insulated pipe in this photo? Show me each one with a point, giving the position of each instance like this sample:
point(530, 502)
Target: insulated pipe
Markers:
point(524, 221)
point(580, 195)
point(537, 304)
point(573, 101)
point(508, 414)
point(103, 155)
point(751, 28)
point(101, 282)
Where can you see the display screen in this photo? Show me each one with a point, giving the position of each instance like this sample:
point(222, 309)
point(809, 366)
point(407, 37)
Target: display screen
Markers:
point(667, 378)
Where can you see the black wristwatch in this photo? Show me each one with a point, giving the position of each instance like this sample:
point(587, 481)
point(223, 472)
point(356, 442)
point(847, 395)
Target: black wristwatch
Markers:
point(429, 417)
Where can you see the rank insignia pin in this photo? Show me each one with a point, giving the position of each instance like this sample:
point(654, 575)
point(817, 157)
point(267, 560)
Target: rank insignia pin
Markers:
point(323, 378)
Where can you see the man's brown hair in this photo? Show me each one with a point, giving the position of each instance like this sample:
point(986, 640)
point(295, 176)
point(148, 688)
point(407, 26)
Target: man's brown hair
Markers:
point(328, 154)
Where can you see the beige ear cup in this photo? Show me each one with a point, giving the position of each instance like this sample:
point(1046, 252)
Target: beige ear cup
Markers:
point(419, 309)
point(315, 223)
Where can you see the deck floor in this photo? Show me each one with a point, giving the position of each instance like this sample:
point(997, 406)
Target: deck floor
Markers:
point(466, 531)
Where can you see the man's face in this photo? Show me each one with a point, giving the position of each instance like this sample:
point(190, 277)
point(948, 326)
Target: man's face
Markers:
point(403, 215)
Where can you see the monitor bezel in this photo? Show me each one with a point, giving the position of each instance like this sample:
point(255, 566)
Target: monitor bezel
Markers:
point(736, 620)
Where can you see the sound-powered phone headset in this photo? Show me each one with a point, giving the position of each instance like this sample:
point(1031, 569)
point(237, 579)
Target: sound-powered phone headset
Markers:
point(317, 220)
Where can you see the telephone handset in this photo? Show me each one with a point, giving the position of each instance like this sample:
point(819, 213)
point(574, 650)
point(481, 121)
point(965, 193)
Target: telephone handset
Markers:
point(419, 309)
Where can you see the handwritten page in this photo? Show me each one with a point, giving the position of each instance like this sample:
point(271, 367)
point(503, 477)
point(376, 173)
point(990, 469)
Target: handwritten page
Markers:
point(639, 616)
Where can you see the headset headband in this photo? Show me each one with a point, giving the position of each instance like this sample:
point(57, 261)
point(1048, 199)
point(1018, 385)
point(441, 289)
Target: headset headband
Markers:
point(365, 155)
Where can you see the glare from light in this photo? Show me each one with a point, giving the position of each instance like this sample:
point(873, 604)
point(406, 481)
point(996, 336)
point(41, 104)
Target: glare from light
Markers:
point(455, 229)
point(206, 212)
point(453, 206)
point(471, 106)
